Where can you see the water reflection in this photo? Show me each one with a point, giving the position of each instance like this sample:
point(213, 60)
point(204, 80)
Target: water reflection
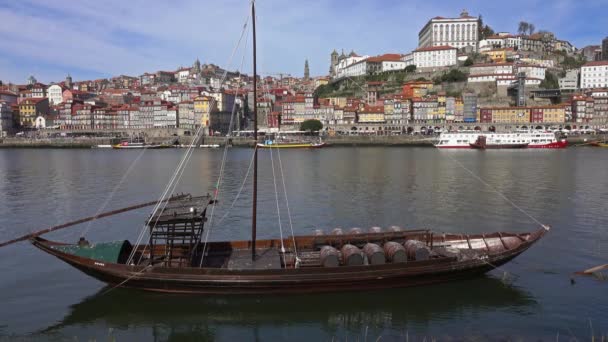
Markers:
point(166, 317)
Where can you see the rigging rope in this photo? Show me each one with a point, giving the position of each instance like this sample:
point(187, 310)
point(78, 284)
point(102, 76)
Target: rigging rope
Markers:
point(276, 195)
point(239, 192)
point(266, 90)
point(116, 187)
point(180, 168)
point(225, 152)
point(293, 237)
point(497, 192)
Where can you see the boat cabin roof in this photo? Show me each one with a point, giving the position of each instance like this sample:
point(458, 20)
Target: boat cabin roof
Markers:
point(186, 209)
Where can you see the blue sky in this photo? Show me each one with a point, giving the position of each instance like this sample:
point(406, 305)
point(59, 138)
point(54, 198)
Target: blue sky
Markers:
point(103, 38)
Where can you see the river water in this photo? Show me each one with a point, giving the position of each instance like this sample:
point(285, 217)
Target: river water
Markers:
point(531, 297)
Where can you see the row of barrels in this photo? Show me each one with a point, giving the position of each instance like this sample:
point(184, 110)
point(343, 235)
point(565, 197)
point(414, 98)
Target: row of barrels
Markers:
point(374, 254)
point(355, 230)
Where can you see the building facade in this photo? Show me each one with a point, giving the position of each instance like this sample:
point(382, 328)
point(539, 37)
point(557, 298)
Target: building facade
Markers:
point(458, 32)
point(594, 75)
point(55, 94)
point(435, 57)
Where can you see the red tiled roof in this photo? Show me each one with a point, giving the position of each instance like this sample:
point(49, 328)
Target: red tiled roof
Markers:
point(596, 63)
point(435, 48)
point(33, 100)
point(492, 64)
point(387, 57)
point(373, 109)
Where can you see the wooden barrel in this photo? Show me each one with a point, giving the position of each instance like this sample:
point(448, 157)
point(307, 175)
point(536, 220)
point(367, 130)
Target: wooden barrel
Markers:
point(319, 232)
point(375, 230)
point(355, 231)
point(330, 257)
point(352, 255)
point(395, 252)
point(337, 231)
point(394, 229)
point(374, 253)
point(417, 250)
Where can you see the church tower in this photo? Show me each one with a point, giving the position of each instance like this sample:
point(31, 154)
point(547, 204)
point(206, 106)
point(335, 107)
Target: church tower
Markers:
point(306, 71)
point(334, 63)
point(196, 68)
point(68, 81)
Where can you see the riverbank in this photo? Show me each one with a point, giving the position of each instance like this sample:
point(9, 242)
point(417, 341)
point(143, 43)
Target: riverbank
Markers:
point(345, 141)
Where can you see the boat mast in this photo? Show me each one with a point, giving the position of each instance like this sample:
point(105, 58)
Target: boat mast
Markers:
point(255, 141)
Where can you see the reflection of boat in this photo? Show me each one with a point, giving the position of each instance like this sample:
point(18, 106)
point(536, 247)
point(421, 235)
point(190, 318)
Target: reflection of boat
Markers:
point(483, 143)
point(210, 146)
point(392, 307)
point(178, 258)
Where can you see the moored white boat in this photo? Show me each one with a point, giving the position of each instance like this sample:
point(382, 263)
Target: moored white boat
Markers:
point(533, 139)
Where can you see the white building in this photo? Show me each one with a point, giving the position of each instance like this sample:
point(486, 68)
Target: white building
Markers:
point(532, 71)
point(492, 68)
point(182, 75)
point(408, 59)
point(458, 32)
point(570, 81)
point(435, 57)
point(345, 63)
point(55, 94)
point(356, 69)
point(594, 75)
point(384, 63)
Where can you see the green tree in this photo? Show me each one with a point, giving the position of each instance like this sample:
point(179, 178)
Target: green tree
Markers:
point(410, 68)
point(468, 62)
point(311, 125)
point(550, 81)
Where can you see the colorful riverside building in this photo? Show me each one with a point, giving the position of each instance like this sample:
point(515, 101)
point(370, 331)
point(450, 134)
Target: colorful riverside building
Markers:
point(371, 114)
point(523, 115)
point(418, 89)
point(202, 110)
point(30, 108)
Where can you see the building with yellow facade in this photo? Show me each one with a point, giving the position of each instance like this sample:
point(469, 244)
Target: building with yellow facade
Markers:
point(523, 115)
point(30, 109)
point(497, 55)
point(371, 114)
point(202, 109)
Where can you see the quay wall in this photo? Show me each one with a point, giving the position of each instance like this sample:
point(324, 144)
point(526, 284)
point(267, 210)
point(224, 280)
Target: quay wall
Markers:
point(369, 140)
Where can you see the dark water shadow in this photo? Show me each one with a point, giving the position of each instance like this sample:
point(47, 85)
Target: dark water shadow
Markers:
point(196, 317)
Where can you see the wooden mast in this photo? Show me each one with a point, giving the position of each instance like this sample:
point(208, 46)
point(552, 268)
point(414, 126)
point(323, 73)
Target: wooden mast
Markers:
point(255, 141)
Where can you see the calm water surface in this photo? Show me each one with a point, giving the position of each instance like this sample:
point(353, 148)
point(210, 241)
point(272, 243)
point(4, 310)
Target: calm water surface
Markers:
point(531, 297)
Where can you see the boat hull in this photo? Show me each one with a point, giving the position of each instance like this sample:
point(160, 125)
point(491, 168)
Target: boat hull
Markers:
point(554, 145)
point(498, 147)
point(127, 147)
point(288, 280)
point(294, 145)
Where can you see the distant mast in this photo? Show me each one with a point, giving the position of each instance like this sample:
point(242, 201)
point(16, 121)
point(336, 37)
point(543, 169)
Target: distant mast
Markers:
point(255, 141)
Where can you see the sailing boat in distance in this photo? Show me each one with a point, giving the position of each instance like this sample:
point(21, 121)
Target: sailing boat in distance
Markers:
point(178, 258)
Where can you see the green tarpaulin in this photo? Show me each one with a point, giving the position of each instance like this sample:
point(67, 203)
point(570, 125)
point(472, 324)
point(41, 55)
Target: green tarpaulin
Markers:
point(112, 252)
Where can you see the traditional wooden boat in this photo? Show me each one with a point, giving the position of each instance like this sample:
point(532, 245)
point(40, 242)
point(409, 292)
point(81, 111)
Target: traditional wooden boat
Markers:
point(291, 144)
point(175, 261)
point(178, 258)
point(127, 145)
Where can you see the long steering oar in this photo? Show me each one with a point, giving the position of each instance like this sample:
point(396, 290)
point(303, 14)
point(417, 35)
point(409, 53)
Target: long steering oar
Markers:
point(86, 219)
